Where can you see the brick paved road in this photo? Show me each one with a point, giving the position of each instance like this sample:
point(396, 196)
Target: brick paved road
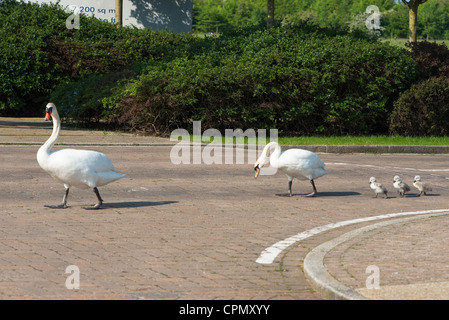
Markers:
point(187, 231)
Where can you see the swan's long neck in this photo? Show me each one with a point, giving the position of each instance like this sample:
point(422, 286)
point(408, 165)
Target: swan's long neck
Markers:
point(274, 154)
point(44, 151)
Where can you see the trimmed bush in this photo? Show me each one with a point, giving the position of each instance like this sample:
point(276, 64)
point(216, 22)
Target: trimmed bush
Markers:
point(423, 110)
point(82, 101)
point(432, 59)
point(300, 81)
point(38, 52)
point(25, 71)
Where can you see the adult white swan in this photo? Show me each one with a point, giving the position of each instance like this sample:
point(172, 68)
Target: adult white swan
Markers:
point(79, 168)
point(295, 163)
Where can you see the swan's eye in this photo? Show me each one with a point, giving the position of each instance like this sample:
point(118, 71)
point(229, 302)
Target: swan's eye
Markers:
point(49, 109)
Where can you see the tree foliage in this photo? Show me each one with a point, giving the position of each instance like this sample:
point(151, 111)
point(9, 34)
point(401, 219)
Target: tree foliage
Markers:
point(219, 15)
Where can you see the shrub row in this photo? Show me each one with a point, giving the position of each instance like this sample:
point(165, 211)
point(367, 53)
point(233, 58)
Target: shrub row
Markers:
point(300, 81)
point(38, 52)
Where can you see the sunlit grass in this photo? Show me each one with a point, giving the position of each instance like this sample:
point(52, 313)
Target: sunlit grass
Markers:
point(332, 140)
point(400, 42)
point(364, 140)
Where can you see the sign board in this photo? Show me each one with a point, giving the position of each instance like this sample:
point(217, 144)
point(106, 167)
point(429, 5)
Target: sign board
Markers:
point(171, 15)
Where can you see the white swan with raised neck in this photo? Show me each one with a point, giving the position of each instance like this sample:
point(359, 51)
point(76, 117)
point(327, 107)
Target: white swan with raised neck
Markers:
point(79, 168)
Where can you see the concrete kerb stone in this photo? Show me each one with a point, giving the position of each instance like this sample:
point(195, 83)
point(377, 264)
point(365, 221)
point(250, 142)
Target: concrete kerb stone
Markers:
point(315, 270)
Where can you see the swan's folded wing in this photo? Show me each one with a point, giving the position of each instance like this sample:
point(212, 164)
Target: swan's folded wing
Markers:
point(108, 177)
point(82, 168)
point(73, 158)
point(302, 164)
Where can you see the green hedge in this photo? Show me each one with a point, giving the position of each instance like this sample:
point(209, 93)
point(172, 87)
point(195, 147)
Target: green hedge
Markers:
point(25, 70)
point(300, 81)
point(423, 110)
point(38, 52)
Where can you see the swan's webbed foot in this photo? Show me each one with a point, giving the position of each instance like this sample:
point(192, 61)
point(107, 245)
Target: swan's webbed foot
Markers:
point(94, 207)
point(99, 203)
point(63, 205)
point(314, 190)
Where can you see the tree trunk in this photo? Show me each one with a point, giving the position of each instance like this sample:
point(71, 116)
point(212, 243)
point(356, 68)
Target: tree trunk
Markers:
point(270, 13)
point(413, 17)
point(412, 23)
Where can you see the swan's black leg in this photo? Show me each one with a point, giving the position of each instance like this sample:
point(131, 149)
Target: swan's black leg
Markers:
point(64, 199)
point(100, 201)
point(314, 189)
point(63, 205)
point(290, 187)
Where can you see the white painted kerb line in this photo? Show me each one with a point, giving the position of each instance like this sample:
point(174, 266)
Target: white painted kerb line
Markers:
point(269, 254)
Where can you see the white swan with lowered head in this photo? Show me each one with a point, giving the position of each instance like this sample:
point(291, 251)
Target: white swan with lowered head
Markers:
point(79, 168)
point(295, 163)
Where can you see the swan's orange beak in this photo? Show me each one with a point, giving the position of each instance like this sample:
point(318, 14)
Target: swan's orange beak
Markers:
point(257, 170)
point(47, 116)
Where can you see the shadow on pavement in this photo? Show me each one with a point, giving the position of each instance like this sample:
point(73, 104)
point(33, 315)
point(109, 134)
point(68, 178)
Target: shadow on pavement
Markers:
point(136, 204)
point(323, 194)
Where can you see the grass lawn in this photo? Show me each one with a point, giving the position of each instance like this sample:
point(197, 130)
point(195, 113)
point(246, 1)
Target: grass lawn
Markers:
point(400, 42)
point(365, 140)
point(332, 140)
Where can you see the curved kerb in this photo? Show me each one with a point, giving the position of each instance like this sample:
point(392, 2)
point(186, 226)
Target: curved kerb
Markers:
point(326, 285)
